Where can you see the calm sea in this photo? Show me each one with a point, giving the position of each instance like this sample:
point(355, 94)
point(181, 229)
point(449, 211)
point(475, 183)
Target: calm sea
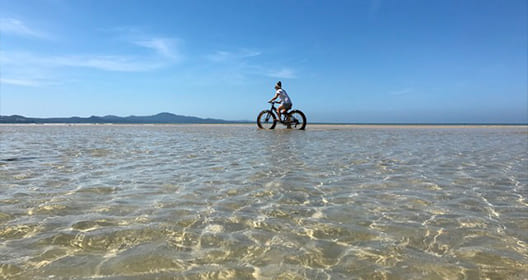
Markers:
point(235, 202)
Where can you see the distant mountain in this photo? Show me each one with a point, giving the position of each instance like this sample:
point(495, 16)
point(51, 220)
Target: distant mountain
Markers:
point(159, 118)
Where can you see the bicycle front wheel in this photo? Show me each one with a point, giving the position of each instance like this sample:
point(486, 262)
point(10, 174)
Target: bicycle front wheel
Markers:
point(297, 120)
point(266, 120)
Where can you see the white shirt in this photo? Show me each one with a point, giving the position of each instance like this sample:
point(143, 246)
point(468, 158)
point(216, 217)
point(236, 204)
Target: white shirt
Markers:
point(285, 99)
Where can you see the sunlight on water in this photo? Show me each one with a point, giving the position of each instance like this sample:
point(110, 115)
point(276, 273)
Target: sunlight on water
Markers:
point(235, 202)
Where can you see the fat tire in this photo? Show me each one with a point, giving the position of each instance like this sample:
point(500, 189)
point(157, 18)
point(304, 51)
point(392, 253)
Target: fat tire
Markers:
point(303, 117)
point(261, 115)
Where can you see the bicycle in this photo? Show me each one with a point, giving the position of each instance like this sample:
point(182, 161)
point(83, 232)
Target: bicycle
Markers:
point(267, 119)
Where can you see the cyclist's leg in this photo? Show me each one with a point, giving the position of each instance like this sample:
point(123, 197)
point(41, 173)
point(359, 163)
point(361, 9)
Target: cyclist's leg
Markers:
point(286, 108)
point(280, 110)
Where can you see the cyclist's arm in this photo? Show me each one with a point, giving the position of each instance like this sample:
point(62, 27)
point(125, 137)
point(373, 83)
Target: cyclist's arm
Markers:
point(274, 97)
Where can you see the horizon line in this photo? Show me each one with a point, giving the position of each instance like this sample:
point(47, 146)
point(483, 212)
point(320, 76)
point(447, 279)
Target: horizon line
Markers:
point(205, 119)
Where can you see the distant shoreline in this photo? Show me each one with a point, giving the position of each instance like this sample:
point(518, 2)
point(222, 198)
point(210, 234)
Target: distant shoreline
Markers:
point(166, 118)
point(310, 125)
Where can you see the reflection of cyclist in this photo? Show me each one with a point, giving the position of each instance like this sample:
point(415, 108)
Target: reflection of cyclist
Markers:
point(286, 103)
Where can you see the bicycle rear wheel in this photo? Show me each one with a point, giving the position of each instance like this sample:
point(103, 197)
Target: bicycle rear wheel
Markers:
point(297, 120)
point(266, 120)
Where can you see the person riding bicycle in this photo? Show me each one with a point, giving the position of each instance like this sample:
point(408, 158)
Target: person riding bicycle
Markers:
point(286, 103)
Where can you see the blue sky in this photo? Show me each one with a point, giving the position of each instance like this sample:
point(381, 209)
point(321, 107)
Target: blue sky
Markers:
point(340, 61)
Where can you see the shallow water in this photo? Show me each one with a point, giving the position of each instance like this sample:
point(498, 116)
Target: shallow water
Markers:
point(235, 202)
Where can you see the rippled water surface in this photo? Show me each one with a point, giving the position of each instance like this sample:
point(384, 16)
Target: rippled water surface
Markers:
point(235, 202)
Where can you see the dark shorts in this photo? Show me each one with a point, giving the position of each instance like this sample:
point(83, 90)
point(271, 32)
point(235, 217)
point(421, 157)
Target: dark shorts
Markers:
point(286, 106)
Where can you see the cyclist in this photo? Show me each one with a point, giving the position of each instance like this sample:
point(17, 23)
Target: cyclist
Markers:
point(286, 103)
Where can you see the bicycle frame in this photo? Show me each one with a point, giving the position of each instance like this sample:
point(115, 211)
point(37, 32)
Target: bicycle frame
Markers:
point(274, 111)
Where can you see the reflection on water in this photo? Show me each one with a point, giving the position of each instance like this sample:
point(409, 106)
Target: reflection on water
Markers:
point(234, 202)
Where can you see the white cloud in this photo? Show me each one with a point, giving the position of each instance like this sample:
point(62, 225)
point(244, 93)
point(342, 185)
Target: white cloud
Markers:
point(28, 69)
point(17, 60)
point(219, 56)
point(285, 73)
point(249, 53)
point(165, 47)
point(24, 68)
point(20, 70)
point(240, 62)
point(17, 27)
point(235, 57)
point(20, 82)
point(106, 62)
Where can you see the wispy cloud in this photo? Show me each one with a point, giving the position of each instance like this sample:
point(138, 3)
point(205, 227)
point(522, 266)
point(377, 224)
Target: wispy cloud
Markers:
point(232, 56)
point(166, 47)
point(285, 73)
point(20, 69)
point(401, 92)
point(100, 62)
point(106, 62)
point(244, 62)
point(20, 82)
point(17, 27)
point(219, 56)
point(29, 69)
point(34, 68)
